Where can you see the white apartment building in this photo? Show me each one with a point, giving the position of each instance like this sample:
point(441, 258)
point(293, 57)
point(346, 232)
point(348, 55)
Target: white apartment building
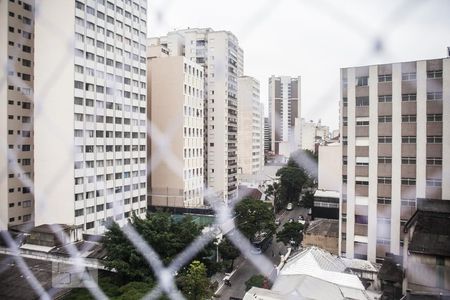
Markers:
point(16, 112)
point(175, 91)
point(284, 109)
point(395, 125)
point(90, 112)
point(313, 133)
point(218, 52)
point(250, 127)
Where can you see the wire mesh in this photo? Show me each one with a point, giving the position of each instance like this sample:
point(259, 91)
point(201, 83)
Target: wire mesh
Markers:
point(223, 213)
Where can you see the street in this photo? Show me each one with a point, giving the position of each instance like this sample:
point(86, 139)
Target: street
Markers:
point(245, 269)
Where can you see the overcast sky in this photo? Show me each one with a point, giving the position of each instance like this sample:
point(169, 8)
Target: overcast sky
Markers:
point(315, 38)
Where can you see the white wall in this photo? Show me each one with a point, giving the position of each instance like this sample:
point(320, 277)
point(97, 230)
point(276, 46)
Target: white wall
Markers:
point(330, 167)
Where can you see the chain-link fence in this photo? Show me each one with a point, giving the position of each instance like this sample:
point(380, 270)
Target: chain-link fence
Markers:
point(260, 13)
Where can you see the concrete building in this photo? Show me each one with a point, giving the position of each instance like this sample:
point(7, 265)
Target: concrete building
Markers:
point(323, 233)
point(313, 134)
point(267, 135)
point(222, 59)
point(284, 108)
point(175, 91)
point(90, 122)
point(330, 167)
point(426, 251)
point(16, 113)
point(395, 125)
point(250, 131)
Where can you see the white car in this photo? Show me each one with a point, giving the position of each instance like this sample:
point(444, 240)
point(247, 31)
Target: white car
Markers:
point(289, 206)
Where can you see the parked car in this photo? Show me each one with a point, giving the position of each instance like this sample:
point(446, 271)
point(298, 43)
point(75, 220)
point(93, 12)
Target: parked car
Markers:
point(277, 222)
point(289, 206)
point(291, 220)
point(256, 251)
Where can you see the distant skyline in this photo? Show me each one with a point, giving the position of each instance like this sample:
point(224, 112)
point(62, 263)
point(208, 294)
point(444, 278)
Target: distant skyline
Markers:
point(314, 39)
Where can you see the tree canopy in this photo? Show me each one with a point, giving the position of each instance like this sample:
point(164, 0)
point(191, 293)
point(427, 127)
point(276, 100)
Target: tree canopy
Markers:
point(290, 231)
point(300, 171)
point(165, 235)
point(254, 216)
point(194, 283)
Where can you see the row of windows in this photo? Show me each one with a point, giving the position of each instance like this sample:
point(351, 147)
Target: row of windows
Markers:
point(25, 218)
point(108, 119)
point(109, 62)
point(26, 203)
point(189, 153)
point(188, 174)
point(109, 105)
point(107, 148)
point(25, 119)
point(101, 178)
point(364, 80)
point(108, 134)
point(109, 76)
point(109, 205)
point(109, 191)
point(24, 190)
point(364, 100)
point(431, 139)
point(388, 119)
point(193, 132)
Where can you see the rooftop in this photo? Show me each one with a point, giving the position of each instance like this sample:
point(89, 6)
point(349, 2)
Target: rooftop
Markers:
point(326, 194)
point(324, 227)
point(431, 234)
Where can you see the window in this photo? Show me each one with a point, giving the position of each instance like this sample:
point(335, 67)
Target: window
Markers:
point(409, 118)
point(409, 97)
point(434, 74)
point(385, 78)
point(408, 181)
point(362, 161)
point(384, 200)
point(409, 76)
point(360, 219)
point(434, 139)
point(408, 139)
point(362, 80)
point(344, 160)
point(385, 98)
point(384, 180)
point(408, 202)
point(344, 121)
point(408, 160)
point(362, 122)
point(362, 182)
point(385, 139)
point(345, 101)
point(384, 159)
point(344, 178)
point(434, 182)
point(434, 96)
point(385, 119)
point(434, 117)
point(362, 101)
point(79, 85)
point(436, 161)
point(90, 225)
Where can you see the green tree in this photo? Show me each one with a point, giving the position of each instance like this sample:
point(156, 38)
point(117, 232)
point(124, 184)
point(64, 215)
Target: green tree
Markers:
point(308, 200)
point(193, 283)
point(255, 281)
point(228, 251)
point(290, 231)
point(273, 190)
point(300, 171)
point(254, 216)
point(165, 235)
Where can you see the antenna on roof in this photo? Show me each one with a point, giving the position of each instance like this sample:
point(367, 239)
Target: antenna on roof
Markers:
point(448, 51)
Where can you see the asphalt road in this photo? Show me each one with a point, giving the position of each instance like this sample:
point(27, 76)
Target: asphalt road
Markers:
point(245, 269)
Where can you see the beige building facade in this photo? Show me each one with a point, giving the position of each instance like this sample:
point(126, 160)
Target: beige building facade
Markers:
point(218, 52)
point(90, 123)
point(250, 127)
point(395, 126)
point(175, 89)
point(16, 109)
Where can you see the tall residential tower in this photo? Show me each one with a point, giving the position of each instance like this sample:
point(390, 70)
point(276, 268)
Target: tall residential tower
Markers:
point(218, 52)
point(284, 109)
point(16, 108)
point(90, 112)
